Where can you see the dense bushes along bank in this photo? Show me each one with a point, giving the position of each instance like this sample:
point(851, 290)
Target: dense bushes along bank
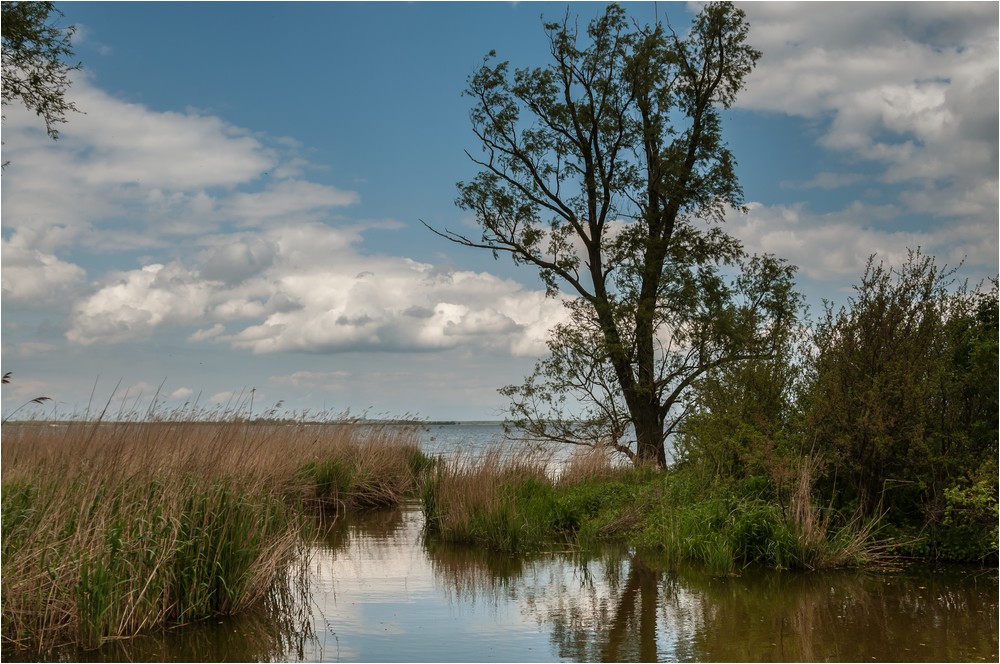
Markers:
point(111, 529)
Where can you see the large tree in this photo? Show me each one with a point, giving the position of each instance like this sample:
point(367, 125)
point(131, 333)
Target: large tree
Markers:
point(35, 67)
point(607, 171)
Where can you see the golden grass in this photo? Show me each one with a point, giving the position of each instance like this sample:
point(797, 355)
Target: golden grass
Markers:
point(590, 463)
point(114, 528)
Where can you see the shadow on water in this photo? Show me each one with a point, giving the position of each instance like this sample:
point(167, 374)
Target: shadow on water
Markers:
point(381, 590)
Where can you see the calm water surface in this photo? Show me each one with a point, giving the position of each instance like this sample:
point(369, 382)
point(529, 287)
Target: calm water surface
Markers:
point(385, 593)
point(382, 591)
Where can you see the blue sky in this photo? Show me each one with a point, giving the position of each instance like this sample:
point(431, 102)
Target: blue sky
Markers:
point(238, 207)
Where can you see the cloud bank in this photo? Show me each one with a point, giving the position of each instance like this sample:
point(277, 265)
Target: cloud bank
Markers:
point(909, 89)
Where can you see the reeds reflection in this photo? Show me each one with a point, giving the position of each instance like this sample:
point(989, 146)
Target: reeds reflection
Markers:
point(613, 605)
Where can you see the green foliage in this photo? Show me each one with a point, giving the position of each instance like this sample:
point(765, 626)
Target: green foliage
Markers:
point(127, 557)
point(330, 479)
point(35, 71)
point(606, 170)
point(355, 478)
point(969, 530)
point(722, 525)
point(887, 417)
point(904, 398)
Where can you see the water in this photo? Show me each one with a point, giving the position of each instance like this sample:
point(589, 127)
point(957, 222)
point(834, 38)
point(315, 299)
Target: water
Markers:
point(380, 590)
point(383, 593)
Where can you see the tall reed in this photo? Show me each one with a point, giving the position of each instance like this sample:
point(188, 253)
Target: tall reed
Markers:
point(474, 500)
point(114, 528)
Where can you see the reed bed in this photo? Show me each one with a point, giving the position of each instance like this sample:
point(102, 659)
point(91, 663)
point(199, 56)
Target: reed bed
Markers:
point(513, 497)
point(473, 499)
point(508, 501)
point(111, 529)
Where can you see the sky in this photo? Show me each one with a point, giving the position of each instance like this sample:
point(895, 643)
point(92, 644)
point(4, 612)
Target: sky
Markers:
point(235, 215)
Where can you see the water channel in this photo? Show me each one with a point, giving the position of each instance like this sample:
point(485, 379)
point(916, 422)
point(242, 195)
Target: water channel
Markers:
point(381, 590)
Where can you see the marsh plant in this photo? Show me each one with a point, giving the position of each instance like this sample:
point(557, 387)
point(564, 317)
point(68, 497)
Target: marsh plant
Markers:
point(511, 501)
point(114, 528)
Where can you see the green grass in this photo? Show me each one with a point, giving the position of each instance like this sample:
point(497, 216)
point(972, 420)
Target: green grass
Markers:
point(508, 504)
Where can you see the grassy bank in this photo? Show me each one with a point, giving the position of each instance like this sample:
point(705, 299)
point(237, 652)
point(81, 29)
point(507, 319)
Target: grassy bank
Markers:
point(111, 529)
point(507, 501)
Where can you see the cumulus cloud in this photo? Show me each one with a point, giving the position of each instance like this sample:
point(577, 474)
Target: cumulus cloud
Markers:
point(136, 302)
point(125, 177)
point(237, 259)
point(912, 87)
point(293, 297)
point(835, 246)
point(210, 333)
point(31, 276)
point(181, 393)
point(906, 92)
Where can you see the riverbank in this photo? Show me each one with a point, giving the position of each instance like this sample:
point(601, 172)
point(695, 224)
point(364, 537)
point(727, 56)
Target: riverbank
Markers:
point(508, 500)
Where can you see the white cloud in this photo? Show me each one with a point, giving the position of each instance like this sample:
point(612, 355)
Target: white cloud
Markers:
point(283, 199)
point(128, 143)
point(835, 246)
point(328, 380)
point(210, 333)
point(31, 276)
point(125, 177)
point(220, 398)
point(308, 288)
point(136, 302)
point(910, 86)
point(181, 393)
point(349, 302)
point(235, 259)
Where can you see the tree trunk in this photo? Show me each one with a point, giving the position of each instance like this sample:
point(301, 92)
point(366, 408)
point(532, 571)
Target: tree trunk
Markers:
point(649, 435)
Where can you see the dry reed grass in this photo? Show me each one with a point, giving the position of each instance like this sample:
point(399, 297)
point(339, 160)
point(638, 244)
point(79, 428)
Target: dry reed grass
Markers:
point(468, 499)
point(591, 463)
point(114, 528)
point(854, 544)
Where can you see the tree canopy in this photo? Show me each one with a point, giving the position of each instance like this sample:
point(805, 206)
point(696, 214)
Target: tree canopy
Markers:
point(35, 67)
point(607, 171)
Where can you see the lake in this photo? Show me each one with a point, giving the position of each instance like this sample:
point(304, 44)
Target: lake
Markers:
point(380, 590)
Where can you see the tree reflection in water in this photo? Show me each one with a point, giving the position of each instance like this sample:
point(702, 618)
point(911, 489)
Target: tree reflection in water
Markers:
point(626, 606)
point(607, 604)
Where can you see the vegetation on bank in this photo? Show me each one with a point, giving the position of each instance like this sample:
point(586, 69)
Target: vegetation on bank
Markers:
point(509, 501)
point(115, 528)
point(873, 434)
